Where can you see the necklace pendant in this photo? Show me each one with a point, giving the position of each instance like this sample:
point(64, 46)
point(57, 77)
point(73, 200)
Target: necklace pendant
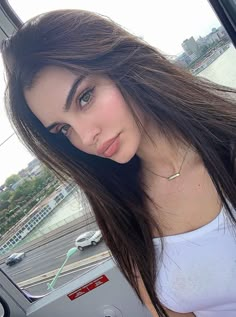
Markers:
point(173, 176)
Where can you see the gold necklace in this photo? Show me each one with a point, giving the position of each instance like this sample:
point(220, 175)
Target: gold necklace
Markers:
point(171, 177)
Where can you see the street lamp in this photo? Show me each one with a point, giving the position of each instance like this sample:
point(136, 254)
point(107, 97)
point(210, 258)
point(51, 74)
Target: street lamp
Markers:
point(68, 255)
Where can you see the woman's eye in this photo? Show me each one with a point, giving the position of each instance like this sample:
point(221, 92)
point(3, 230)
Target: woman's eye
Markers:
point(64, 129)
point(86, 97)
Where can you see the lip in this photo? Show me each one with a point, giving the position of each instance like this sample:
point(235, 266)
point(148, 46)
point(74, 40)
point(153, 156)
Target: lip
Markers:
point(102, 149)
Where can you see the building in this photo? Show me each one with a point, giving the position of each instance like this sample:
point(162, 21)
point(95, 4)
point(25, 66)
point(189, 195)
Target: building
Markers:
point(17, 184)
point(217, 35)
point(29, 222)
point(202, 42)
point(191, 48)
point(183, 60)
point(34, 168)
point(213, 37)
point(223, 34)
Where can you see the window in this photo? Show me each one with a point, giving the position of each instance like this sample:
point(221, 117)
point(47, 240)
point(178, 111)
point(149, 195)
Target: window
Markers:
point(187, 32)
point(81, 240)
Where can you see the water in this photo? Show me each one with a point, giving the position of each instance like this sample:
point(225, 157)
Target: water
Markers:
point(223, 70)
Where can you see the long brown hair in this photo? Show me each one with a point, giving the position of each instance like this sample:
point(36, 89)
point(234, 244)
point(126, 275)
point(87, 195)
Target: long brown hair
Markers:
point(184, 107)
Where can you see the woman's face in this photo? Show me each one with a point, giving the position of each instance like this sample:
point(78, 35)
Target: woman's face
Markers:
point(91, 112)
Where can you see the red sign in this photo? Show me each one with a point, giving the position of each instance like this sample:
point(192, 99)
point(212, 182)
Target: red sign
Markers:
point(88, 287)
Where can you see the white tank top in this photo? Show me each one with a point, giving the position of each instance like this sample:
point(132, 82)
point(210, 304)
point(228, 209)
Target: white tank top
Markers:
point(197, 272)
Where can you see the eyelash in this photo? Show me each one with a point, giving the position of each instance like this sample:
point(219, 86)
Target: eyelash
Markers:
point(85, 93)
point(80, 97)
point(62, 127)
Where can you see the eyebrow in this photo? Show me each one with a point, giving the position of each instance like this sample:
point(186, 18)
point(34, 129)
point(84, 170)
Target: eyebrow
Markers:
point(72, 92)
point(69, 99)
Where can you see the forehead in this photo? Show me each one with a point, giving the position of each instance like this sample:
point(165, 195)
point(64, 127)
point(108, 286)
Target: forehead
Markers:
point(49, 92)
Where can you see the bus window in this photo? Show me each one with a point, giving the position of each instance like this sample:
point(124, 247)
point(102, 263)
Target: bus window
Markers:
point(42, 217)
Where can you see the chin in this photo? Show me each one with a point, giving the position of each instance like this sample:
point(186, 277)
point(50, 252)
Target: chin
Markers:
point(128, 149)
point(122, 159)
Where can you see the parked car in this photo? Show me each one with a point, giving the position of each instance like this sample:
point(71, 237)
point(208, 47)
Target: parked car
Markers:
point(15, 258)
point(88, 238)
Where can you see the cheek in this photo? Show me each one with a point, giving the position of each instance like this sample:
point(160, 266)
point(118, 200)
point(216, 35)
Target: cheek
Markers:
point(110, 115)
point(75, 141)
point(113, 109)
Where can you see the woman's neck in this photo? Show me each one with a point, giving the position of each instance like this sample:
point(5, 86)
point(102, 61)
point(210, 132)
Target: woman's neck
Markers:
point(160, 155)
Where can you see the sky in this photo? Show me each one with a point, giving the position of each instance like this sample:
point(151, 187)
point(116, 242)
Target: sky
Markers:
point(165, 24)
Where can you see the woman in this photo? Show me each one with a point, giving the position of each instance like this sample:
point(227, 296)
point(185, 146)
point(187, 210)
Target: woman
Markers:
point(152, 147)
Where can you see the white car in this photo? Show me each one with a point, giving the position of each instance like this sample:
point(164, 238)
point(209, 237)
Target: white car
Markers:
point(88, 238)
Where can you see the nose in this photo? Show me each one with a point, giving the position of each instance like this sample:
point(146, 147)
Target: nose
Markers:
point(86, 133)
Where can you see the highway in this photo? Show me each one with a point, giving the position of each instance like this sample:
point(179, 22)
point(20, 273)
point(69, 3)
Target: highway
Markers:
point(49, 257)
point(40, 288)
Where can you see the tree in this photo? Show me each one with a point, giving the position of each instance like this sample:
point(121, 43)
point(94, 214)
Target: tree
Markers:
point(22, 191)
point(5, 195)
point(12, 180)
point(5, 199)
point(4, 204)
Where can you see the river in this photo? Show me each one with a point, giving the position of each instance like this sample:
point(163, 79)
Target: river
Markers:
point(223, 70)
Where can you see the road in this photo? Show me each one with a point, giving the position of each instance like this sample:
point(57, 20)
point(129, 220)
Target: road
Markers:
point(51, 256)
point(40, 288)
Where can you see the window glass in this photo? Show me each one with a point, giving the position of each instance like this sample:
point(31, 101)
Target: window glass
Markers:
point(51, 214)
